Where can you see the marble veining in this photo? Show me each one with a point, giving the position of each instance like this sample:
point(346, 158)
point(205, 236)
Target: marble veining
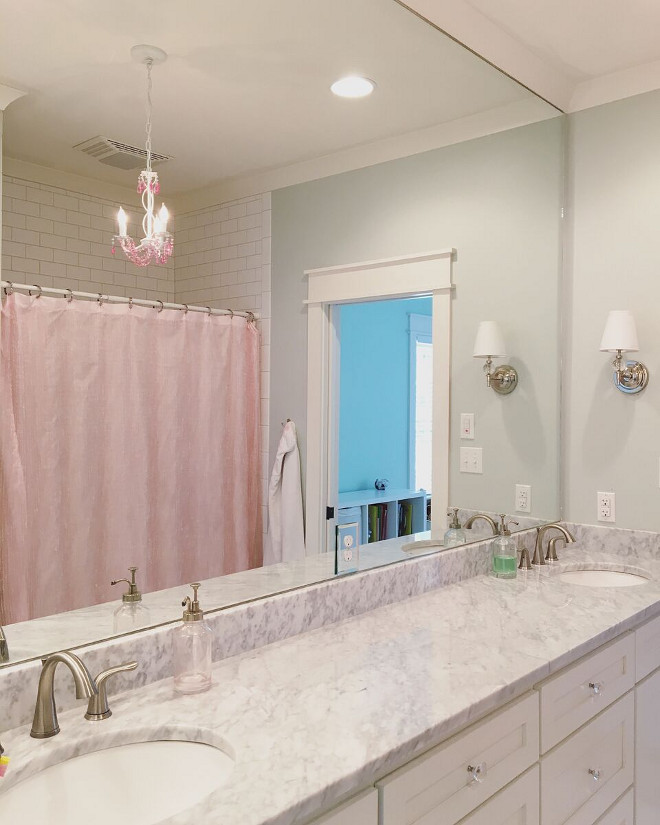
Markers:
point(254, 624)
point(316, 717)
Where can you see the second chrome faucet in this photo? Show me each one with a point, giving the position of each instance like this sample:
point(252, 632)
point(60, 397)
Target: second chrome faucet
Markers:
point(45, 722)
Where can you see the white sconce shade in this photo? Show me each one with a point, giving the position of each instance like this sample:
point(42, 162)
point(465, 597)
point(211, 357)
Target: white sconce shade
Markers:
point(489, 342)
point(620, 332)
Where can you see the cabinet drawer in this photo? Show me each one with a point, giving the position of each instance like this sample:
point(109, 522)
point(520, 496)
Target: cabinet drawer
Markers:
point(570, 793)
point(438, 787)
point(578, 693)
point(647, 648)
point(517, 804)
point(362, 810)
point(621, 813)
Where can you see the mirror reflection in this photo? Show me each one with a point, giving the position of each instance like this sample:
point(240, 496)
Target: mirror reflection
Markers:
point(138, 439)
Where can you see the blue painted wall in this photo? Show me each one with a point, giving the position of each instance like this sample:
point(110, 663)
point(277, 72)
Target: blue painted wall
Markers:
point(374, 392)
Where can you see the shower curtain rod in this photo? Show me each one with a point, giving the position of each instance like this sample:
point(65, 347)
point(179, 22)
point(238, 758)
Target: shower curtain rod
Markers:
point(69, 294)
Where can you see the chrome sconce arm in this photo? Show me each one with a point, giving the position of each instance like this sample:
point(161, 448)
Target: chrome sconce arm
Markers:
point(629, 376)
point(503, 380)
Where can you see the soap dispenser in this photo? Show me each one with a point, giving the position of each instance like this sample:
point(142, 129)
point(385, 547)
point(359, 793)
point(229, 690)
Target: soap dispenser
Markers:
point(193, 644)
point(455, 535)
point(505, 555)
point(131, 614)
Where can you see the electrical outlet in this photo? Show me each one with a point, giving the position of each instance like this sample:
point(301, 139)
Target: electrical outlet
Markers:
point(467, 425)
point(523, 498)
point(471, 460)
point(606, 507)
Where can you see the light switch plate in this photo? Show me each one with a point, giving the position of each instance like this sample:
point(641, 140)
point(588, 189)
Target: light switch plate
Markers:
point(471, 460)
point(467, 425)
point(347, 548)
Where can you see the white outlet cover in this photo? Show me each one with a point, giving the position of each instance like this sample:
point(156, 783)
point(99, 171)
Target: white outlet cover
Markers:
point(467, 425)
point(523, 503)
point(606, 506)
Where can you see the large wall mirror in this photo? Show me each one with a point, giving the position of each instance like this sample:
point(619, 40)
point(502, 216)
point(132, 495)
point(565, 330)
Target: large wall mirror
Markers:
point(446, 154)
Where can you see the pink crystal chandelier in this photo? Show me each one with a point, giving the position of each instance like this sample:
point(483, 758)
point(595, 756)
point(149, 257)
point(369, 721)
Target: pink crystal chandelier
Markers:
point(157, 244)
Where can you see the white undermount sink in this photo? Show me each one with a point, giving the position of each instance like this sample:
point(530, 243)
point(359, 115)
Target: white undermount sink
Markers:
point(144, 782)
point(602, 578)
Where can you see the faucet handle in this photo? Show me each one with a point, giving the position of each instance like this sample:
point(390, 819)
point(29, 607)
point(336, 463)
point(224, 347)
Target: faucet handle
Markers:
point(551, 555)
point(98, 708)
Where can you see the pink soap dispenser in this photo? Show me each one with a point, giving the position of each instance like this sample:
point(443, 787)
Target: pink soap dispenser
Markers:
point(193, 645)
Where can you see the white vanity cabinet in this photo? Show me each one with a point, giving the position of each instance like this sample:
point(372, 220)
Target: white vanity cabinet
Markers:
point(361, 810)
point(453, 779)
point(647, 731)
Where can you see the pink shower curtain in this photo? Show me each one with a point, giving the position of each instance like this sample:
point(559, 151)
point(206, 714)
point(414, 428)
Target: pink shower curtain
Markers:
point(128, 437)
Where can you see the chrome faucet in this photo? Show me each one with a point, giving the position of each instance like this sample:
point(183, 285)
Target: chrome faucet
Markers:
point(45, 723)
point(552, 552)
point(468, 524)
point(4, 648)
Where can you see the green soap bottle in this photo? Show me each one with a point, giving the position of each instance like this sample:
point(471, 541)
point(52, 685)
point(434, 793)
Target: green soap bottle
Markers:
point(505, 555)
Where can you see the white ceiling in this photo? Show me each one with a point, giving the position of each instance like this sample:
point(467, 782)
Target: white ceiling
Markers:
point(245, 87)
point(574, 54)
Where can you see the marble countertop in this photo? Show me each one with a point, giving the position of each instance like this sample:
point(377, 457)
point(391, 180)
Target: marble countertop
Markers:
point(314, 718)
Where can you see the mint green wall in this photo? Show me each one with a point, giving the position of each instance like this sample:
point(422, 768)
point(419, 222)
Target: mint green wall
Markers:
point(497, 200)
point(374, 392)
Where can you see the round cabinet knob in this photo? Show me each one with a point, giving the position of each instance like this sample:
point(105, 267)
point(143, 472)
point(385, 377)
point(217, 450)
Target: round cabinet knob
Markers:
point(596, 688)
point(596, 774)
point(478, 772)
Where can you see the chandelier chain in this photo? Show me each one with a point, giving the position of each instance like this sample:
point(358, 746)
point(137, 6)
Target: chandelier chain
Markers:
point(149, 63)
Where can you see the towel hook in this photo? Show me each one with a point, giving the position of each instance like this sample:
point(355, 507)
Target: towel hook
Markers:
point(69, 297)
point(36, 286)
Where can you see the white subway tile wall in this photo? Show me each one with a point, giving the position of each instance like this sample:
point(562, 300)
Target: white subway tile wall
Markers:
point(58, 238)
point(54, 237)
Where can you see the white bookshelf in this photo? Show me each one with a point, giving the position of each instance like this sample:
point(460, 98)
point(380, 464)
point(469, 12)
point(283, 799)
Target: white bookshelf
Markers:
point(354, 506)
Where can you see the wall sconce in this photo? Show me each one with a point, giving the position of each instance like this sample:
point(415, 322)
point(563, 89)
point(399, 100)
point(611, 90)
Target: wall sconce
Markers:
point(489, 344)
point(620, 336)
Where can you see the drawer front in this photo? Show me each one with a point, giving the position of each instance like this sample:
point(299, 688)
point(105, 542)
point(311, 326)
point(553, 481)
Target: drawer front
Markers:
point(517, 804)
point(578, 693)
point(621, 813)
point(439, 787)
point(586, 774)
point(647, 648)
point(363, 810)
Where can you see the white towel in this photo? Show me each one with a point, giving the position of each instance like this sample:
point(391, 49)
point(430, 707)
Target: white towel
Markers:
point(286, 532)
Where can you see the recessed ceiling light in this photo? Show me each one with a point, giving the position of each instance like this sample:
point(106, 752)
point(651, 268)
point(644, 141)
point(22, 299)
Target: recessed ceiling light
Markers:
point(353, 86)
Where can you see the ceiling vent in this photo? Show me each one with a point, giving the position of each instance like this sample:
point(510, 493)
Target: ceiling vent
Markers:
point(119, 155)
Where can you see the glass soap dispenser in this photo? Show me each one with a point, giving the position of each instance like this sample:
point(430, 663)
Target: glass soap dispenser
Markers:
point(455, 535)
point(131, 613)
point(505, 554)
point(193, 643)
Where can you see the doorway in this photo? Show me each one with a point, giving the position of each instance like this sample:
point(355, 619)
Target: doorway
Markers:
point(410, 276)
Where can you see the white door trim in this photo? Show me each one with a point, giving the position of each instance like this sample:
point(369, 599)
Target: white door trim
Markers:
point(428, 273)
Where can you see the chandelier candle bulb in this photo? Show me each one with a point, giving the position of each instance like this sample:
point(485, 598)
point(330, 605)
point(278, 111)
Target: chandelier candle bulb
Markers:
point(122, 221)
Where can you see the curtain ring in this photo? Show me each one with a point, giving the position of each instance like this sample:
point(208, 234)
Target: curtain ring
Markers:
point(99, 300)
point(9, 289)
point(231, 312)
point(130, 302)
point(35, 286)
point(185, 308)
point(161, 307)
point(69, 297)
point(251, 318)
point(210, 312)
